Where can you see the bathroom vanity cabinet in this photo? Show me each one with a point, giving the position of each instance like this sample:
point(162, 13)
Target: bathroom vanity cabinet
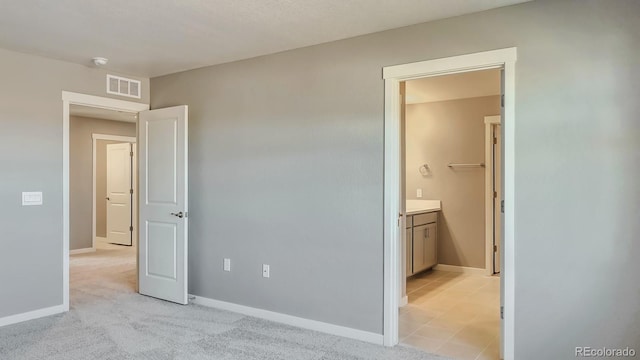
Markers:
point(421, 242)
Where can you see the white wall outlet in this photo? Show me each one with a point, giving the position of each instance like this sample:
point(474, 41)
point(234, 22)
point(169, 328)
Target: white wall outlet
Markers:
point(31, 198)
point(265, 270)
point(227, 264)
point(419, 193)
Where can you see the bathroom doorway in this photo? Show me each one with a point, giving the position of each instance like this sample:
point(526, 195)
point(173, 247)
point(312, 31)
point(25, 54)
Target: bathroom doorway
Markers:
point(453, 302)
point(394, 218)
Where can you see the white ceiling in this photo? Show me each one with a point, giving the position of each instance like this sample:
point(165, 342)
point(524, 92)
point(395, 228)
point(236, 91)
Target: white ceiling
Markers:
point(97, 113)
point(152, 38)
point(450, 87)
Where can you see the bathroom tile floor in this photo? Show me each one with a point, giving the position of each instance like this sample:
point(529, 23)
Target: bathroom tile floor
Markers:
point(453, 314)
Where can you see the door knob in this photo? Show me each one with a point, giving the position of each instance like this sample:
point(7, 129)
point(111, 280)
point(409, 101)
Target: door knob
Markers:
point(180, 214)
point(107, 198)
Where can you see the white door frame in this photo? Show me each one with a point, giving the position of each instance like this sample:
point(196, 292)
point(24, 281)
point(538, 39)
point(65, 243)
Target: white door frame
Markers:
point(393, 75)
point(489, 122)
point(134, 201)
point(69, 98)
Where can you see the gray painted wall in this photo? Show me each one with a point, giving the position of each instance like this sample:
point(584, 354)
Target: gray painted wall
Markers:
point(440, 133)
point(31, 160)
point(286, 168)
point(81, 178)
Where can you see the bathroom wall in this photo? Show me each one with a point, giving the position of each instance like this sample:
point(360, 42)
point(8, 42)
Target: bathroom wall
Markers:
point(440, 133)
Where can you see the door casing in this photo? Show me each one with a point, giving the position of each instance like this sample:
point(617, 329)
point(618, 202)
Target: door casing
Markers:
point(392, 271)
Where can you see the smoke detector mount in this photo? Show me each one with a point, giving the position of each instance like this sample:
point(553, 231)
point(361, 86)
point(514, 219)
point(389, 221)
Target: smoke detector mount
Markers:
point(99, 61)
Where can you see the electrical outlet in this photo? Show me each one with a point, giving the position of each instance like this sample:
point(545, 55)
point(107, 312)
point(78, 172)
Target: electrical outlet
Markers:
point(227, 264)
point(419, 193)
point(265, 270)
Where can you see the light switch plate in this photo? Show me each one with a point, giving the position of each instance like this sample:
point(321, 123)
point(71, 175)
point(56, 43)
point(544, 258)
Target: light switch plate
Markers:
point(419, 193)
point(227, 264)
point(32, 198)
point(265, 270)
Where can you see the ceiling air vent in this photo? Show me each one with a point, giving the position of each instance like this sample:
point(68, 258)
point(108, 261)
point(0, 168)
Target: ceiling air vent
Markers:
point(118, 85)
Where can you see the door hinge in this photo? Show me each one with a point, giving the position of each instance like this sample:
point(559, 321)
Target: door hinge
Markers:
point(131, 153)
point(130, 228)
point(495, 141)
point(495, 248)
point(130, 191)
point(502, 206)
point(495, 194)
point(502, 312)
point(502, 101)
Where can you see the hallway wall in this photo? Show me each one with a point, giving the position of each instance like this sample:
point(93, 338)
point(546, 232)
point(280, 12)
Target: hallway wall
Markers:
point(81, 176)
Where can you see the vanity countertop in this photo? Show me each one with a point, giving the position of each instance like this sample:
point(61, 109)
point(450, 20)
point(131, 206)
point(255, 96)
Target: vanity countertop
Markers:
point(422, 206)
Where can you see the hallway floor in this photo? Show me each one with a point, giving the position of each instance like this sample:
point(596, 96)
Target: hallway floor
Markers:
point(453, 314)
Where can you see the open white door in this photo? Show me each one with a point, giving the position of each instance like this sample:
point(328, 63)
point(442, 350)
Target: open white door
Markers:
point(119, 190)
point(163, 203)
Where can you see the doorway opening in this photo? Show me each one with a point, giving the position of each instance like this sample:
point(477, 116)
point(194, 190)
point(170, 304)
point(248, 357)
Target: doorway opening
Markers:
point(394, 207)
point(452, 298)
point(90, 125)
point(102, 201)
point(160, 248)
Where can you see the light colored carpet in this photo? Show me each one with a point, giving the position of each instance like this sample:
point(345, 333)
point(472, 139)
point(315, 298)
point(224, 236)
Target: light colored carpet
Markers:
point(108, 320)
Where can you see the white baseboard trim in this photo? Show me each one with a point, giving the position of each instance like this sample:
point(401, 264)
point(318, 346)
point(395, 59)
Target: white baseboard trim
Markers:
point(101, 239)
point(81, 251)
point(35, 314)
point(292, 320)
point(404, 301)
point(460, 269)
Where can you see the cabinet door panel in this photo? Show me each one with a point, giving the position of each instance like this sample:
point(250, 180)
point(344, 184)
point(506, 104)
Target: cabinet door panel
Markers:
point(409, 256)
point(431, 245)
point(419, 239)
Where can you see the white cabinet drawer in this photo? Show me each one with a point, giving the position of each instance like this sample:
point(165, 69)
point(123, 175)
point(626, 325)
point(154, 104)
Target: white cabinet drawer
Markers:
point(421, 219)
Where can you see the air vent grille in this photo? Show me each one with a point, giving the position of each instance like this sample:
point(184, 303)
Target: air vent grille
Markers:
point(118, 85)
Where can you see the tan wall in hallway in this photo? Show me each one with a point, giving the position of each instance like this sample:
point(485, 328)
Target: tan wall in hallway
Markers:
point(81, 174)
point(446, 132)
